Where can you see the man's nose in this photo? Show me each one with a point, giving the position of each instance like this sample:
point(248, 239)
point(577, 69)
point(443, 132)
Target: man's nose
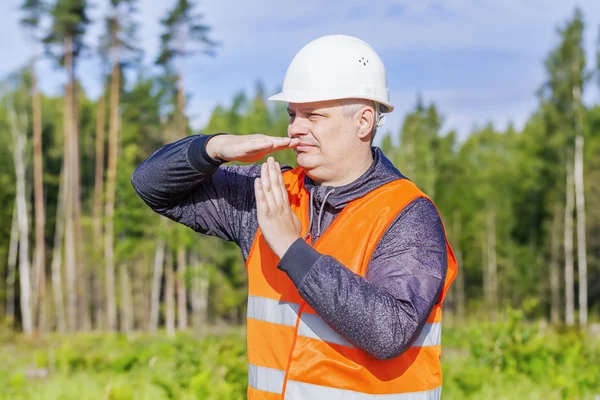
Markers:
point(298, 127)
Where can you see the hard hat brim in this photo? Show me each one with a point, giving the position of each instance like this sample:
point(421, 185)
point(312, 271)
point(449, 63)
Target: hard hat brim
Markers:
point(299, 97)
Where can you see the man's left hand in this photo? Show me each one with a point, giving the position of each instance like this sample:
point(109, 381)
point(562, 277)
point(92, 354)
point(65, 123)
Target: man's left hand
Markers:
point(277, 221)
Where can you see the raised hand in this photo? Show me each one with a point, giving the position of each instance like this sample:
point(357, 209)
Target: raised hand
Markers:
point(247, 148)
point(278, 223)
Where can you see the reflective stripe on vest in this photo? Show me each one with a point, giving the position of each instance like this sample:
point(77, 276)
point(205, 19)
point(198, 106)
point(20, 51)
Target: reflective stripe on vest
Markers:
point(313, 326)
point(271, 380)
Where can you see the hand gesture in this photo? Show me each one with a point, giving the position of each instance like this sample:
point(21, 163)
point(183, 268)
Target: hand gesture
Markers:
point(278, 223)
point(247, 148)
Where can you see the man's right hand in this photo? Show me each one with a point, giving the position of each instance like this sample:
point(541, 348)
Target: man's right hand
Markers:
point(247, 148)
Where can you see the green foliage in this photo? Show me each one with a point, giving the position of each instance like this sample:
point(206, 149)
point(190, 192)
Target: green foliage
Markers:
point(119, 367)
point(512, 360)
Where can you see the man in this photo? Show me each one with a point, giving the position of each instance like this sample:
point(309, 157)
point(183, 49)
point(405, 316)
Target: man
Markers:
point(347, 260)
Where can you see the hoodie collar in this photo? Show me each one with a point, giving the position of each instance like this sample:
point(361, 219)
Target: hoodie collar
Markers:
point(381, 172)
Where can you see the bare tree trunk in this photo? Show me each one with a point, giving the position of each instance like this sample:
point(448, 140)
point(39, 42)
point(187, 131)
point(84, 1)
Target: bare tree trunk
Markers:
point(82, 272)
point(18, 126)
point(554, 269)
point(460, 277)
point(126, 300)
point(568, 245)
point(57, 255)
point(70, 246)
point(99, 170)
point(182, 121)
point(97, 213)
point(182, 315)
point(140, 278)
point(170, 296)
point(11, 277)
point(111, 177)
point(199, 294)
point(159, 261)
point(492, 264)
point(40, 218)
point(581, 239)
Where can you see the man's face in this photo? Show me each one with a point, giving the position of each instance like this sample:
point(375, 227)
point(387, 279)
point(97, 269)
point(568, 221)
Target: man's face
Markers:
point(326, 137)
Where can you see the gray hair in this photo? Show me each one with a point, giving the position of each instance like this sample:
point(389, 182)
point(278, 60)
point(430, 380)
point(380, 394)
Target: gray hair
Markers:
point(351, 106)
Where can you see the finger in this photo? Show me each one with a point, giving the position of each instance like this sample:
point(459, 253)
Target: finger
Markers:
point(261, 202)
point(258, 145)
point(267, 187)
point(275, 182)
point(281, 185)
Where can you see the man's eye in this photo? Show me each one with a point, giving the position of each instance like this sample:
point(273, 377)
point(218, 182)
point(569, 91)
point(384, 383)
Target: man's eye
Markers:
point(313, 115)
point(291, 115)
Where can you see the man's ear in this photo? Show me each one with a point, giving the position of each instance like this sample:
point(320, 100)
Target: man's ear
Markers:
point(366, 121)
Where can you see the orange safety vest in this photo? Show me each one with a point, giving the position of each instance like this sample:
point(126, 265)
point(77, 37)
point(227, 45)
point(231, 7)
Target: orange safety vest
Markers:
point(293, 354)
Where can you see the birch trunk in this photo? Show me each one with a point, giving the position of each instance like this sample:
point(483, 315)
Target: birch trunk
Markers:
point(57, 290)
point(580, 201)
point(159, 262)
point(199, 294)
point(38, 194)
point(170, 296)
point(126, 300)
point(568, 246)
point(581, 239)
point(182, 315)
point(18, 126)
point(554, 268)
point(11, 277)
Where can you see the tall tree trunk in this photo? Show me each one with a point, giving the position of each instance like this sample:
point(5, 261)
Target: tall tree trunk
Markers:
point(554, 269)
point(492, 263)
point(199, 294)
point(126, 300)
point(38, 194)
point(182, 315)
point(580, 199)
point(581, 240)
point(69, 192)
point(111, 178)
point(170, 295)
point(140, 278)
point(182, 121)
point(18, 127)
point(159, 261)
point(59, 235)
point(11, 276)
point(568, 245)
point(83, 277)
point(97, 213)
point(460, 277)
point(99, 170)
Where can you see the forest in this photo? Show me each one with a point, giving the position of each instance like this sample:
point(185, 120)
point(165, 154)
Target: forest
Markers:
point(102, 298)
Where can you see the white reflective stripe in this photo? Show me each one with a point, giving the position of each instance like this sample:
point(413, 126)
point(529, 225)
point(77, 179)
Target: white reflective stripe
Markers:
point(306, 391)
point(431, 335)
point(273, 311)
point(315, 327)
point(265, 379)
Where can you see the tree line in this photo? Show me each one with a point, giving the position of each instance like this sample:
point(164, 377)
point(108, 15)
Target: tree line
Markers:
point(80, 251)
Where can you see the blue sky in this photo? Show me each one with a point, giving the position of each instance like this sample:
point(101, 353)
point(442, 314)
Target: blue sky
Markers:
point(478, 60)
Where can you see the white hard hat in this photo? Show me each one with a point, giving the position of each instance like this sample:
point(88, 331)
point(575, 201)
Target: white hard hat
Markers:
point(336, 67)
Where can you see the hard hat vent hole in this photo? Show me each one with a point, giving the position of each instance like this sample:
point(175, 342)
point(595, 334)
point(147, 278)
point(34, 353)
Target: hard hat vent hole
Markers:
point(363, 61)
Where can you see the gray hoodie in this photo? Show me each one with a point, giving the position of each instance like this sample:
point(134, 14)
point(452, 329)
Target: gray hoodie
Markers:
point(381, 313)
